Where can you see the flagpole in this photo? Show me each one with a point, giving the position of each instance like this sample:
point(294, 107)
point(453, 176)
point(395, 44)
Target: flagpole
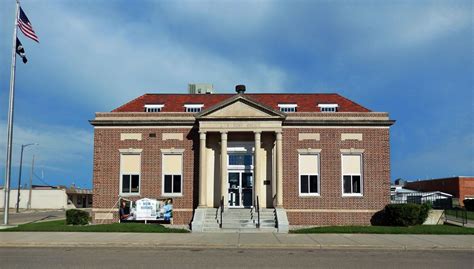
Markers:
point(11, 103)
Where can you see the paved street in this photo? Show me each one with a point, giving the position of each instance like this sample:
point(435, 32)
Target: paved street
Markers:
point(30, 216)
point(229, 258)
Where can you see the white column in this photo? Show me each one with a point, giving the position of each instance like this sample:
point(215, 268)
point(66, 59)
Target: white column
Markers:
point(279, 166)
point(256, 168)
point(202, 169)
point(224, 190)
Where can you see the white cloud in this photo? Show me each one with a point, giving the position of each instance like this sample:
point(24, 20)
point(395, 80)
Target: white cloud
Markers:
point(86, 58)
point(60, 147)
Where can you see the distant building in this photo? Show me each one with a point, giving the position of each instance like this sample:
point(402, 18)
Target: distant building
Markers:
point(200, 88)
point(49, 197)
point(460, 187)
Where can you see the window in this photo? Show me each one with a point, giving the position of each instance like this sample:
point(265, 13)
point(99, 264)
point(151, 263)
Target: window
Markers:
point(154, 108)
point(287, 107)
point(309, 174)
point(194, 108)
point(130, 173)
point(172, 174)
point(328, 107)
point(241, 159)
point(351, 175)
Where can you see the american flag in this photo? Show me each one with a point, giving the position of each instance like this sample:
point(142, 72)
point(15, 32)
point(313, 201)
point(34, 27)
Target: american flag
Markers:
point(26, 27)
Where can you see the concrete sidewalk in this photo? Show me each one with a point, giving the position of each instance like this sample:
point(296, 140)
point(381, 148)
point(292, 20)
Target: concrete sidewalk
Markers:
point(238, 240)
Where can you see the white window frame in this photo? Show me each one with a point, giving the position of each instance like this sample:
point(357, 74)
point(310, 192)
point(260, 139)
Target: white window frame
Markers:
point(310, 194)
point(154, 108)
point(193, 108)
point(139, 175)
point(328, 107)
point(287, 108)
point(172, 194)
point(361, 194)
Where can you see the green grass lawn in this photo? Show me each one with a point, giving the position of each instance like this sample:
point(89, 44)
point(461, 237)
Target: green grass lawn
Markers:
point(60, 226)
point(470, 214)
point(419, 229)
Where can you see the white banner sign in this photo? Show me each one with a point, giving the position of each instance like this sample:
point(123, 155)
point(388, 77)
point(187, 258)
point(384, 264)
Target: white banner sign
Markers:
point(146, 209)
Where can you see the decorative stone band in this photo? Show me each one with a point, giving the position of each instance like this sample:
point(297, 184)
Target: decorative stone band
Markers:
point(351, 136)
point(130, 136)
point(309, 136)
point(172, 136)
point(332, 210)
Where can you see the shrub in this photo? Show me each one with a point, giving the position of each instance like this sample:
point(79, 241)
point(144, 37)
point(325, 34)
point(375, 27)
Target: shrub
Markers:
point(424, 211)
point(77, 217)
point(469, 204)
point(405, 214)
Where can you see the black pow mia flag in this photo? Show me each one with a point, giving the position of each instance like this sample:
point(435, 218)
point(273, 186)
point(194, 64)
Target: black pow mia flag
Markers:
point(21, 51)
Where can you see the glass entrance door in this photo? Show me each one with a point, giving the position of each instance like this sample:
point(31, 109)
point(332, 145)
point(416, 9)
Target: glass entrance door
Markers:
point(240, 189)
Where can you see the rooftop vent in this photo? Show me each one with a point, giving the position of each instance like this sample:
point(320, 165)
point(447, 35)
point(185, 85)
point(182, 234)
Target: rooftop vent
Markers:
point(240, 89)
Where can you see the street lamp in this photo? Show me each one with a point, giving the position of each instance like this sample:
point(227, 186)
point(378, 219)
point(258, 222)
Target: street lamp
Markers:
point(19, 175)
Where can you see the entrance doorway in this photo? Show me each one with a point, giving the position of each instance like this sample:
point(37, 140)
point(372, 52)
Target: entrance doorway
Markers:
point(240, 189)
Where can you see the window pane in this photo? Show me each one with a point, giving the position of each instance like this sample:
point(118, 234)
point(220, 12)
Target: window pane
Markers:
point(313, 184)
point(347, 184)
point(240, 159)
point(356, 184)
point(246, 180)
point(304, 184)
point(177, 183)
point(168, 183)
point(126, 183)
point(135, 183)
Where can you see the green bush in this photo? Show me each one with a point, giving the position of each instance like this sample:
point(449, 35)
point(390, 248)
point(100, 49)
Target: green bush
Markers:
point(77, 217)
point(424, 211)
point(469, 204)
point(405, 214)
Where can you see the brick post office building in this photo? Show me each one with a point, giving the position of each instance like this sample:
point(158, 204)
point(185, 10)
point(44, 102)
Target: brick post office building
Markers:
point(311, 159)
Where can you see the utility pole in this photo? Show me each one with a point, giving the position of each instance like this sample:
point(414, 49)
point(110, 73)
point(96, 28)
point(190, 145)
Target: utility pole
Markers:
point(19, 176)
point(31, 181)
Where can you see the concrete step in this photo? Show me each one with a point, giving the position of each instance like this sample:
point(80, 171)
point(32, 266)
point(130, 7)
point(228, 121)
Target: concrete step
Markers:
point(240, 230)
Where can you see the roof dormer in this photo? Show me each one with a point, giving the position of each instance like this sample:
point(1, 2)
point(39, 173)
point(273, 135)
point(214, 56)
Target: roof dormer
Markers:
point(154, 107)
point(328, 107)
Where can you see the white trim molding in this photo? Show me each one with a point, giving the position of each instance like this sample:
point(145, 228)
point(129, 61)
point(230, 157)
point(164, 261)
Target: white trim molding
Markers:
point(309, 151)
point(130, 151)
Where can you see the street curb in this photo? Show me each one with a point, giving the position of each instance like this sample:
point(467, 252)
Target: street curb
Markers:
point(224, 246)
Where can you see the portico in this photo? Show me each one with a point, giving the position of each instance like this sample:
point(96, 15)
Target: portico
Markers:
point(240, 155)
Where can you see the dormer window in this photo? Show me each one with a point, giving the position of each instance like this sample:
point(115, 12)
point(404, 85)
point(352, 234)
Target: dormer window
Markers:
point(328, 107)
point(287, 107)
point(154, 108)
point(193, 108)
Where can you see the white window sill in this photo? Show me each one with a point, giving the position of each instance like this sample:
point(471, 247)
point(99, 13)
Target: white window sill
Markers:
point(353, 195)
point(309, 195)
point(172, 195)
point(129, 194)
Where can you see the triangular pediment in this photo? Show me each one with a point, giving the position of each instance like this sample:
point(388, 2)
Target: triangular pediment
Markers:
point(240, 107)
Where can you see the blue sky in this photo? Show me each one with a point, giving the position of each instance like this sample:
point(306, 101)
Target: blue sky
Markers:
point(412, 59)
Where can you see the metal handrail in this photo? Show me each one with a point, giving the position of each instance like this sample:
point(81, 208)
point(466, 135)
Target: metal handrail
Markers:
point(258, 212)
point(221, 211)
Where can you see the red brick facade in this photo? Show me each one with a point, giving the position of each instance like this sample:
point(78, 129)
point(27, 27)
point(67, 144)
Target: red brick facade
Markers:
point(340, 210)
point(460, 187)
point(106, 183)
